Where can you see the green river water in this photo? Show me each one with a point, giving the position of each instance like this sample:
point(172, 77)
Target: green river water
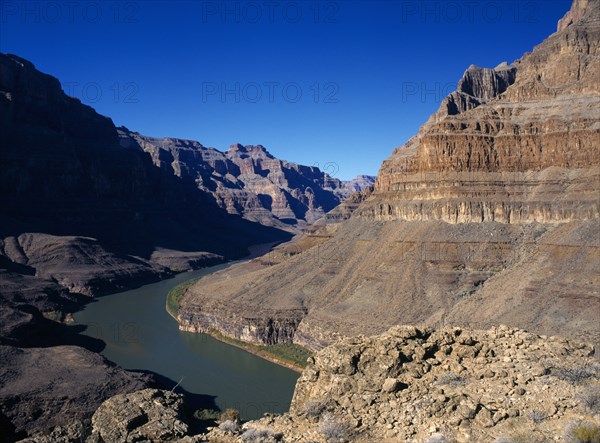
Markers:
point(141, 335)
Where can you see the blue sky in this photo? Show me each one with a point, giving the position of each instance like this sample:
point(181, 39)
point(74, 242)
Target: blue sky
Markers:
point(317, 82)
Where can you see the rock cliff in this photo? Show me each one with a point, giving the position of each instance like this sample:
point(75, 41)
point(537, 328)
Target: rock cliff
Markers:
point(489, 215)
point(106, 211)
point(249, 181)
point(41, 388)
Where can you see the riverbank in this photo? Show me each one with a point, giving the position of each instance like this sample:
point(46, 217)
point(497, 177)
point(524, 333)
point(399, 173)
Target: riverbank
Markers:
point(175, 294)
point(288, 355)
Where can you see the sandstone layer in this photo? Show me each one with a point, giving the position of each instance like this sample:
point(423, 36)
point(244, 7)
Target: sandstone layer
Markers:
point(489, 215)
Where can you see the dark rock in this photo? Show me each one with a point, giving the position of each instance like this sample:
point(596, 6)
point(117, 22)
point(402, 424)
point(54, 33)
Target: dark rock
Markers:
point(41, 388)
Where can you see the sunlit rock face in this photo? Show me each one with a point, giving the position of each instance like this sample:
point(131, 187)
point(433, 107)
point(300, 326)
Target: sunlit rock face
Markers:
point(489, 215)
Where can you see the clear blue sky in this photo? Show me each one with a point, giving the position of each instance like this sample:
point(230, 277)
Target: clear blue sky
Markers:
point(316, 82)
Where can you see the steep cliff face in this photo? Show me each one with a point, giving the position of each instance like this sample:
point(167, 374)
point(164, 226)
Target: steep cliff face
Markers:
point(489, 215)
point(266, 327)
point(249, 181)
point(478, 86)
point(539, 113)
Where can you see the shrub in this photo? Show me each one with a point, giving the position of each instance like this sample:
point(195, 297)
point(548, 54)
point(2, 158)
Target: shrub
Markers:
point(230, 426)
point(258, 436)
point(437, 438)
point(313, 409)
point(576, 374)
point(230, 415)
point(207, 414)
point(452, 379)
point(333, 428)
point(583, 432)
point(536, 416)
point(590, 398)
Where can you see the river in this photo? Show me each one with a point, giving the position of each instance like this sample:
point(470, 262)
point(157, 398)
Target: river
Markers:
point(141, 335)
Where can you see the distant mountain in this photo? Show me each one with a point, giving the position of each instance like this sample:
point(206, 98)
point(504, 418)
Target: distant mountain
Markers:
point(360, 183)
point(249, 181)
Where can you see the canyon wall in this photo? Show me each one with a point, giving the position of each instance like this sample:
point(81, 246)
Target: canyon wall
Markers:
point(489, 215)
point(80, 216)
point(249, 181)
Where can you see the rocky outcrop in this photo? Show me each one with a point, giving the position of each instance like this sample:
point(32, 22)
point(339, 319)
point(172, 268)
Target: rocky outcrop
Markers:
point(344, 210)
point(148, 415)
point(579, 10)
point(79, 264)
point(476, 87)
point(41, 388)
point(266, 327)
point(451, 384)
point(249, 181)
point(489, 215)
point(542, 117)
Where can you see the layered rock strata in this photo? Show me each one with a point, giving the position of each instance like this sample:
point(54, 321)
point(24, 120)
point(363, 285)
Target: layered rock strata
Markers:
point(249, 181)
point(489, 215)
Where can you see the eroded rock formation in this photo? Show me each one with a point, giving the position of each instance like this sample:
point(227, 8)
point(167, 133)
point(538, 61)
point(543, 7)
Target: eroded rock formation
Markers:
point(41, 388)
point(79, 216)
point(406, 385)
point(249, 181)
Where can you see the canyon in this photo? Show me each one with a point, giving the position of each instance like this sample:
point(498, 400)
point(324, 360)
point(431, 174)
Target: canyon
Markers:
point(489, 215)
point(454, 299)
point(85, 211)
point(407, 384)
